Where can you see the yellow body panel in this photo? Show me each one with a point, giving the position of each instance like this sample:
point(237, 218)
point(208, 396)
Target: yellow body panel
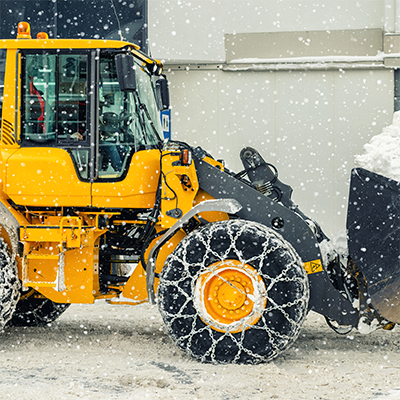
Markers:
point(4, 199)
point(67, 249)
point(69, 231)
point(81, 270)
point(136, 288)
point(139, 187)
point(179, 188)
point(44, 177)
point(167, 249)
point(13, 45)
point(64, 44)
point(5, 153)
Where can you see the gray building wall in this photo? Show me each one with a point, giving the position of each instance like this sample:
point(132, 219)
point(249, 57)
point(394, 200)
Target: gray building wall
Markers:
point(309, 124)
point(195, 29)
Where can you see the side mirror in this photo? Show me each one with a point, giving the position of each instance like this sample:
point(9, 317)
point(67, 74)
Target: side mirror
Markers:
point(162, 93)
point(125, 66)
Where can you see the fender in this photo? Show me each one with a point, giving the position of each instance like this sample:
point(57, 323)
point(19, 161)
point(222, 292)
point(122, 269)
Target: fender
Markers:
point(229, 206)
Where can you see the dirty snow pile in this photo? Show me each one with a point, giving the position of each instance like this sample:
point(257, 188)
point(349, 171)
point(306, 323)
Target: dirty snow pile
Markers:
point(382, 154)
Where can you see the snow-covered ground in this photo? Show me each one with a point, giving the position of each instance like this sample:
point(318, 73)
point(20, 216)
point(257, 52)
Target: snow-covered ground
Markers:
point(112, 352)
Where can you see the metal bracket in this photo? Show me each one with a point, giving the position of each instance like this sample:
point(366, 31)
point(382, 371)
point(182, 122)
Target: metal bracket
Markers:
point(175, 213)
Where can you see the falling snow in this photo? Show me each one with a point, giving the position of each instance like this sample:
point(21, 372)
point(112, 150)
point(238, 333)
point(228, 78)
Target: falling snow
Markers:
point(309, 120)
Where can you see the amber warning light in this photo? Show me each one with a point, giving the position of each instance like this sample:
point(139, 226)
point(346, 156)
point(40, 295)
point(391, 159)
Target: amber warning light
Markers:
point(186, 157)
point(42, 35)
point(24, 31)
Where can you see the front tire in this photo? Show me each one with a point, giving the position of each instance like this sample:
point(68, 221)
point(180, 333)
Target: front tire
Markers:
point(233, 292)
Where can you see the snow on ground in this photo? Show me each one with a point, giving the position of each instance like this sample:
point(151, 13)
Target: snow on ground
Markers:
point(382, 154)
point(123, 352)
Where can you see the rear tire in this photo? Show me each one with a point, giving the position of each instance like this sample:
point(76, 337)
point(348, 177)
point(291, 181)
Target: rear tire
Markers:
point(31, 311)
point(9, 285)
point(233, 292)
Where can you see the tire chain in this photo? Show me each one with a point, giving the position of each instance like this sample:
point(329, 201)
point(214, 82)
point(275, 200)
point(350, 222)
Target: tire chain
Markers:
point(273, 242)
point(9, 284)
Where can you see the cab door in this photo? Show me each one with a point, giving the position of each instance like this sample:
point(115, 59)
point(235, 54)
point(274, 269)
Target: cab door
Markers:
point(53, 166)
point(127, 156)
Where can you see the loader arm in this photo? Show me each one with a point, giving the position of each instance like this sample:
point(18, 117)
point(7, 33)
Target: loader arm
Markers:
point(324, 298)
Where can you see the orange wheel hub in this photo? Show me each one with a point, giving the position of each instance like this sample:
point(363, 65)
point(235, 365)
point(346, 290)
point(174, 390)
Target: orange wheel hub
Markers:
point(230, 296)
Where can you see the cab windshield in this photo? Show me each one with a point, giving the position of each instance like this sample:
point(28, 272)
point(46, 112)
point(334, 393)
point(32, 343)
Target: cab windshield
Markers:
point(128, 121)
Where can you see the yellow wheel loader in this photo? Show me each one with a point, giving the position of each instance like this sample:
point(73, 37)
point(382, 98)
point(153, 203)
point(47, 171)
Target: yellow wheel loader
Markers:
point(95, 205)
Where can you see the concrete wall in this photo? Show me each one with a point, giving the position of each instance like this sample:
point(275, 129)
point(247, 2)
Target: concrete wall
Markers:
point(306, 83)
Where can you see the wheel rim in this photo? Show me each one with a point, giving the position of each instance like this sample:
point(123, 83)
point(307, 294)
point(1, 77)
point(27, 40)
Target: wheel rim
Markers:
point(230, 296)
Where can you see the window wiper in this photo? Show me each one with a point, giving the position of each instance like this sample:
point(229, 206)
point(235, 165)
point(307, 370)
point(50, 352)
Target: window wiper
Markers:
point(145, 111)
point(142, 123)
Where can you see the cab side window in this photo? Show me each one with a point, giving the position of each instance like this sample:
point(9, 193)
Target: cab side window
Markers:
point(39, 97)
point(72, 97)
point(55, 104)
point(55, 97)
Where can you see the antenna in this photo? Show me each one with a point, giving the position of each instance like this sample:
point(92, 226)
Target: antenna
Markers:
point(116, 16)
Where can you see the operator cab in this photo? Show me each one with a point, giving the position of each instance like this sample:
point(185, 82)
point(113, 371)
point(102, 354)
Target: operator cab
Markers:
point(73, 100)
